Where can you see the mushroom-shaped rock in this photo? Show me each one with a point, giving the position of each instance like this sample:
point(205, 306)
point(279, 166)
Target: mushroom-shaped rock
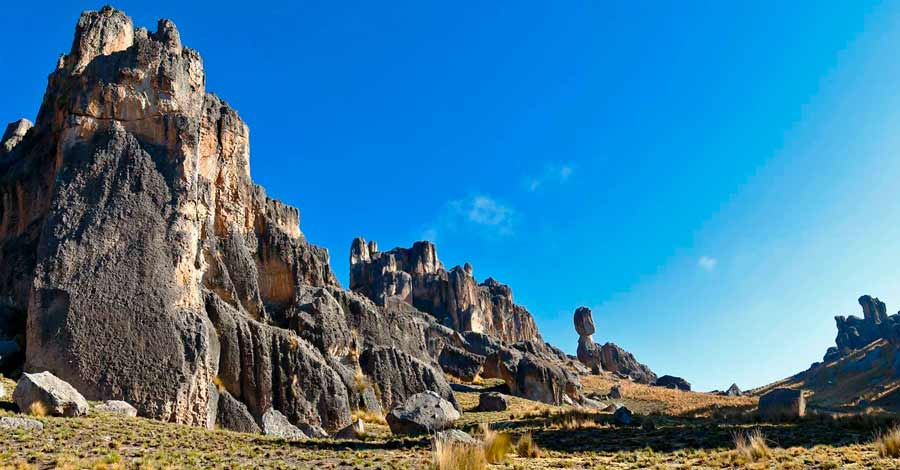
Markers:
point(44, 393)
point(275, 424)
point(782, 403)
point(118, 407)
point(584, 321)
point(422, 413)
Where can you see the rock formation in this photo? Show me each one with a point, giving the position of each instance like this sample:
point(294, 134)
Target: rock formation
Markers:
point(416, 276)
point(670, 381)
point(855, 333)
point(608, 357)
point(152, 270)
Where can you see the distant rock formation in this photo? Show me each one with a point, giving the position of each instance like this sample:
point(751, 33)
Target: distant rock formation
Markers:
point(151, 269)
point(608, 357)
point(855, 333)
point(416, 276)
point(671, 381)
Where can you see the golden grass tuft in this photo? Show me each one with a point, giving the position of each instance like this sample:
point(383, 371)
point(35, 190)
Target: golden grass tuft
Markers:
point(527, 448)
point(217, 381)
point(496, 444)
point(888, 442)
point(752, 445)
point(450, 455)
point(368, 417)
point(38, 408)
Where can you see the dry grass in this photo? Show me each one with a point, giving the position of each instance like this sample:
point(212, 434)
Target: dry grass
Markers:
point(496, 444)
point(645, 399)
point(888, 443)
point(368, 417)
point(450, 455)
point(752, 445)
point(527, 448)
point(38, 408)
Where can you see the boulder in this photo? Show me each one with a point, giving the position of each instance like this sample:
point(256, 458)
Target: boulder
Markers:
point(782, 403)
point(14, 134)
point(622, 416)
point(615, 392)
point(588, 354)
point(670, 381)
point(233, 415)
point(118, 407)
point(22, 424)
point(456, 436)
point(422, 413)
point(273, 423)
point(492, 401)
point(44, 393)
point(613, 407)
point(354, 430)
point(584, 321)
point(313, 431)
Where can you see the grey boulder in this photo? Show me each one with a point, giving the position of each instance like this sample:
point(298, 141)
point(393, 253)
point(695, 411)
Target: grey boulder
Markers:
point(422, 413)
point(455, 436)
point(118, 407)
point(622, 416)
point(782, 403)
point(49, 394)
point(275, 424)
point(233, 415)
point(24, 424)
point(354, 430)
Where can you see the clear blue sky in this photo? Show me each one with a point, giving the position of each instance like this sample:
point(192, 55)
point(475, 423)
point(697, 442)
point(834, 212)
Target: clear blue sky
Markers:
point(716, 179)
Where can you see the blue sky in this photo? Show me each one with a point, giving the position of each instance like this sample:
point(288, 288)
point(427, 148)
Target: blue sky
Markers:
point(716, 180)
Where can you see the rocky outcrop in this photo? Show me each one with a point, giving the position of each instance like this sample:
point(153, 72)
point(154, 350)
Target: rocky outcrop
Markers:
point(670, 381)
point(533, 377)
point(130, 202)
point(422, 413)
point(234, 415)
point(276, 424)
point(416, 276)
point(44, 393)
point(617, 360)
point(14, 134)
point(855, 333)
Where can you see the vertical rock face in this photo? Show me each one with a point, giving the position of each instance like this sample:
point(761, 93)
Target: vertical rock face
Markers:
point(416, 276)
point(148, 264)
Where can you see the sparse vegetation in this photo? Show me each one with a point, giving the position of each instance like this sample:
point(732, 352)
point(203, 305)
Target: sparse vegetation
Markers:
point(888, 443)
point(496, 444)
point(527, 448)
point(751, 445)
point(450, 455)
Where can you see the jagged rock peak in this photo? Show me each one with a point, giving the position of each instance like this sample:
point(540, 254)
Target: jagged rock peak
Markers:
point(14, 134)
point(416, 276)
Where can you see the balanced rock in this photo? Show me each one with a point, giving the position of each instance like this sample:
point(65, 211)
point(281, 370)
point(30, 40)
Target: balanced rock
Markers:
point(670, 381)
point(782, 403)
point(422, 413)
point(118, 407)
point(492, 401)
point(275, 424)
point(45, 393)
point(584, 321)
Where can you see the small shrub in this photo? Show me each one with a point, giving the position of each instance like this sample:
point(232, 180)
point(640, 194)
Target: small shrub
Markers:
point(496, 444)
point(888, 442)
point(450, 455)
point(527, 448)
point(368, 417)
point(38, 408)
point(752, 445)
